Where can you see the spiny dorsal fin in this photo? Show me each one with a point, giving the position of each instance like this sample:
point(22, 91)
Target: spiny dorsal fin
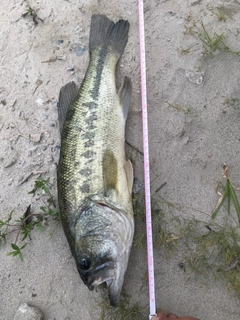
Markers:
point(125, 96)
point(67, 95)
point(129, 174)
point(110, 172)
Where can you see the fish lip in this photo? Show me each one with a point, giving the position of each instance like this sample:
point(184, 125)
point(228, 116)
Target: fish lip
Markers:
point(113, 295)
point(91, 288)
point(104, 265)
point(96, 279)
point(115, 287)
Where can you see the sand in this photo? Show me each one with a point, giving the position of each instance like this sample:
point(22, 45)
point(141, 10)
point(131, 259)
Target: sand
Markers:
point(192, 132)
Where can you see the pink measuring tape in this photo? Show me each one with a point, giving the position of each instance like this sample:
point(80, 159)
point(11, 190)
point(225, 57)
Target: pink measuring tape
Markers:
point(146, 163)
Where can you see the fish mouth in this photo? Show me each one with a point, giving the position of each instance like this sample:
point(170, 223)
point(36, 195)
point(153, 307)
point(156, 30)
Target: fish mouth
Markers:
point(97, 281)
point(103, 273)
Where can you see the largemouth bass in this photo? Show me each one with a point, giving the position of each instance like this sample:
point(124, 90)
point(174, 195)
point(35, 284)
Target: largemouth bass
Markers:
point(94, 178)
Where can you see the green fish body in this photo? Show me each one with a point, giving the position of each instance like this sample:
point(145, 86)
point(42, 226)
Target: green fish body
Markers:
point(94, 178)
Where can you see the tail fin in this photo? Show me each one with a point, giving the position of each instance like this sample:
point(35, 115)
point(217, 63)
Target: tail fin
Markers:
point(105, 33)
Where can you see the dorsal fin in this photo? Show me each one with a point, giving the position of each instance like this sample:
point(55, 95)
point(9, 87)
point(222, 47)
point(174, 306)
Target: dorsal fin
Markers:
point(67, 95)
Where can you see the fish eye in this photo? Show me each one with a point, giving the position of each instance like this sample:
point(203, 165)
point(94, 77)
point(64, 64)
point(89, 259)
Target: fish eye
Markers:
point(85, 264)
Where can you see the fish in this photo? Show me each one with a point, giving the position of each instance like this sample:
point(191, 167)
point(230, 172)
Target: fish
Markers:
point(94, 178)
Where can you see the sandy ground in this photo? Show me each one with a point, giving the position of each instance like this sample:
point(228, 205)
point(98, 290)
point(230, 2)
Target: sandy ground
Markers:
point(187, 149)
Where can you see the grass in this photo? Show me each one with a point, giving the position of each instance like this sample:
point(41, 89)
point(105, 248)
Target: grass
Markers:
point(185, 110)
point(161, 236)
point(32, 13)
point(216, 253)
point(212, 252)
point(192, 27)
point(124, 311)
point(211, 249)
point(211, 43)
point(214, 249)
point(218, 247)
point(23, 227)
point(232, 102)
point(221, 16)
point(230, 195)
point(185, 51)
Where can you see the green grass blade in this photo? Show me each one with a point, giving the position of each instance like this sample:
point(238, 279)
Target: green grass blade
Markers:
point(226, 192)
point(229, 197)
point(235, 200)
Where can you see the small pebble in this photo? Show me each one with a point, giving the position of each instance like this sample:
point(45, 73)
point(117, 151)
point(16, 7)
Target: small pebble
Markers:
point(137, 186)
point(35, 138)
point(55, 149)
point(162, 316)
point(54, 103)
point(80, 51)
point(50, 142)
point(40, 102)
point(10, 162)
point(26, 312)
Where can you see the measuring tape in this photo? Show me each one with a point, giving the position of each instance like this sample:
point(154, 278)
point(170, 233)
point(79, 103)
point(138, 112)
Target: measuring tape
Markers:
point(146, 163)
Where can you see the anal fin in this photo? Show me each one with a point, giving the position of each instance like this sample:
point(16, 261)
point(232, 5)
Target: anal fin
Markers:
point(125, 93)
point(129, 174)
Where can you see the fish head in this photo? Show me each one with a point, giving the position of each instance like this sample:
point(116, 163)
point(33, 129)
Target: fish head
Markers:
point(103, 239)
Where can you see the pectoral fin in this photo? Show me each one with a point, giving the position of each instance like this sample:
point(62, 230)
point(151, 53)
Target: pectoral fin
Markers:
point(125, 93)
point(110, 172)
point(129, 174)
point(67, 95)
